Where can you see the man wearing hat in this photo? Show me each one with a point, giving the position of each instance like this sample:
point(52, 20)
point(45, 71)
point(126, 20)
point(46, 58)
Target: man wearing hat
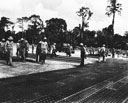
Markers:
point(68, 50)
point(82, 54)
point(9, 50)
point(53, 50)
point(44, 48)
point(102, 52)
point(27, 48)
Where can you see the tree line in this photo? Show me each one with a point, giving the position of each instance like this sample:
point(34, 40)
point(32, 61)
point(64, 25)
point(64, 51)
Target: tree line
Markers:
point(56, 29)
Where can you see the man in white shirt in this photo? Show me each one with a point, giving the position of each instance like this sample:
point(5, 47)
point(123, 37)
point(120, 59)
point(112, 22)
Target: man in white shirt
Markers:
point(102, 53)
point(53, 50)
point(44, 48)
point(9, 50)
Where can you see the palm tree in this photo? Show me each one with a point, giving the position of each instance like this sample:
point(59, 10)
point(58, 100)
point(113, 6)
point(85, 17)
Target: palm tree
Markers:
point(85, 13)
point(21, 22)
point(112, 8)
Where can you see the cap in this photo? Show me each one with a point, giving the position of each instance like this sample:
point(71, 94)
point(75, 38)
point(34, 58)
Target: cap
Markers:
point(45, 38)
point(3, 39)
point(40, 41)
point(26, 41)
point(21, 39)
point(10, 38)
point(81, 44)
point(103, 45)
point(68, 44)
point(18, 40)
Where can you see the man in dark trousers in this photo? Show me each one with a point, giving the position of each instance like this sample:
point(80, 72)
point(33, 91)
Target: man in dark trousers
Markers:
point(102, 53)
point(53, 50)
point(38, 52)
point(82, 54)
point(9, 50)
point(3, 53)
point(44, 48)
point(23, 50)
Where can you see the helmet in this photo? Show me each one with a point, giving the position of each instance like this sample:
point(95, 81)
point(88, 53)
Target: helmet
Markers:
point(26, 41)
point(103, 45)
point(40, 42)
point(10, 38)
point(45, 38)
point(21, 39)
point(81, 44)
point(3, 39)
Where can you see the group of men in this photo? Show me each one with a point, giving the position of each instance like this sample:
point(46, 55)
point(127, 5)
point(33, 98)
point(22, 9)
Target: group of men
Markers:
point(7, 47)
point(6, 51)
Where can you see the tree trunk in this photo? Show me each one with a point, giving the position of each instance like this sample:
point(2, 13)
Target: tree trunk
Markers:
point(82, 29)
point(113, 21)
point(22, 27)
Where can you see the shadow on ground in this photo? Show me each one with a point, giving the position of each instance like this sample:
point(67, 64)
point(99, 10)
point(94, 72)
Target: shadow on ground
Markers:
point(56, 85)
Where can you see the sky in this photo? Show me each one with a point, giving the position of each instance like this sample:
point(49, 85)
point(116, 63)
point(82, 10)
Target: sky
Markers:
point(66, 9)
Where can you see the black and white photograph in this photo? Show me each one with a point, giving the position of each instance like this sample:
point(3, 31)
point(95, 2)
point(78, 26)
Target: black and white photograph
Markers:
point(63, 51)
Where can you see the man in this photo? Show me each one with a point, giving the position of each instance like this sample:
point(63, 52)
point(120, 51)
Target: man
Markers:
point(9, 50)
point(113, 52)
point(27, 48)
point(86, 51)
point(82, 54)
point(44, 48)
point(53, 50)
point(38, 52)
point(32, 48)
point(102, 53)
point(3, 49)
point(68, 51)
point(18, 48)
point(23, 49)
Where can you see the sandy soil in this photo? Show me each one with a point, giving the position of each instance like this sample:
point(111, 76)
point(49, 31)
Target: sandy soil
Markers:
point(24, 68)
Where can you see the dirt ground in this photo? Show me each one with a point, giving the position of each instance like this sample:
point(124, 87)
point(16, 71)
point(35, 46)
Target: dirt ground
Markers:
point(66, 78)
point(24, 68)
